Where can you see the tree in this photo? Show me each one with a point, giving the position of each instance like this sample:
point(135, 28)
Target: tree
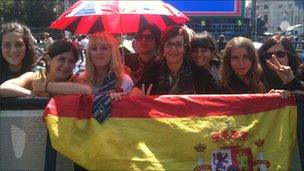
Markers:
point(11, 10)
point(48, 12)
point(34, 13)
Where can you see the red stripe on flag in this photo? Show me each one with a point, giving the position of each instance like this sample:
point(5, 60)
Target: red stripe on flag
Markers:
point(170, 106)
point(78, 106)
point(198, 105)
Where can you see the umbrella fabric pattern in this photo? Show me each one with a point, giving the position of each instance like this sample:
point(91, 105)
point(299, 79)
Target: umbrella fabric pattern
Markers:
point(89, 17)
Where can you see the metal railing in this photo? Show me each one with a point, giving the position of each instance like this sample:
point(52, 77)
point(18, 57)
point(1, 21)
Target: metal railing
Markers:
point(25, 144)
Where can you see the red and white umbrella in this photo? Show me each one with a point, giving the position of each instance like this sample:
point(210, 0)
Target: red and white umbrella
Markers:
point(117, 16)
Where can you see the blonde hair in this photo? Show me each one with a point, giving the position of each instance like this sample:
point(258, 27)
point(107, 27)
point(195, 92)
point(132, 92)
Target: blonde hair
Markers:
point(254, 74)
point(115, 66)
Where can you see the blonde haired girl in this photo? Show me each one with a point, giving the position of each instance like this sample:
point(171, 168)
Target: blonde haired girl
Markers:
point(104, 68)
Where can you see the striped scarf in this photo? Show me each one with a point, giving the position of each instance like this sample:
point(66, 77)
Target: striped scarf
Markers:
point(138, 72)
point(102, 101)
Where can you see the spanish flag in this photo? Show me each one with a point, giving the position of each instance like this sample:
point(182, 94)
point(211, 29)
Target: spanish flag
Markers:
point(176, 132)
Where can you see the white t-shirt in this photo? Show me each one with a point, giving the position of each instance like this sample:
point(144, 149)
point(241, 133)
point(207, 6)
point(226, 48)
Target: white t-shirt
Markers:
point(127, 84)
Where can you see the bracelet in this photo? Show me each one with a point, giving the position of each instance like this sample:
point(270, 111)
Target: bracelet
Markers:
point(45, 86)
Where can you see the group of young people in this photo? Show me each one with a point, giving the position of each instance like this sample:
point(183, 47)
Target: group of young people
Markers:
point(104, 71)
point(190, 63)
point(171, 62)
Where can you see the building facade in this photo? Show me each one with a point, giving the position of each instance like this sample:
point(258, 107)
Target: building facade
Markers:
point(279, 14)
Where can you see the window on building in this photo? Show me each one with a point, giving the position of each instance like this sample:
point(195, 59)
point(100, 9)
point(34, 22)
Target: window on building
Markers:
point(289, 6)
point(266, 7)
point(257, 7)
point(280, 6)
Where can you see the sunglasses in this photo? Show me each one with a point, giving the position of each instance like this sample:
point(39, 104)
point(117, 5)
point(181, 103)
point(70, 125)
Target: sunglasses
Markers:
point(144, 37)
point(278, 54)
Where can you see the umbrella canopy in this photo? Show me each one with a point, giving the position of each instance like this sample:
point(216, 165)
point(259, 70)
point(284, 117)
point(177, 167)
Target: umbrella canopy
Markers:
point(117, 16)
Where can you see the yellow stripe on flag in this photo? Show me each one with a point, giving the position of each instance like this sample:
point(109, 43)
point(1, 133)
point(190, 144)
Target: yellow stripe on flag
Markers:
point(168, 143)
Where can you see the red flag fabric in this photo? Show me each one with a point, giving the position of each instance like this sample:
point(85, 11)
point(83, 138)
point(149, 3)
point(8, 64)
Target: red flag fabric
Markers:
point(186, 132)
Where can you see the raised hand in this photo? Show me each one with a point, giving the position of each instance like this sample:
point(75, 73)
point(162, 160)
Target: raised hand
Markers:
point(143, 89)
point(284, 72)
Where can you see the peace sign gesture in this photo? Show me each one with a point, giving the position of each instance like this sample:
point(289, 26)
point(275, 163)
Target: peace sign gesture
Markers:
point(141, 92)
point(148, 92)
point(284, 72)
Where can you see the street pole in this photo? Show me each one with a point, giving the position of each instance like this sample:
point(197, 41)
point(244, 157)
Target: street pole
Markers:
point(254, 21)
point(66, 6)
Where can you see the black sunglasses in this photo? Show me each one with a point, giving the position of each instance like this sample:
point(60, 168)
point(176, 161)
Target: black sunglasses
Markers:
point(278, 54)
point(146, 37)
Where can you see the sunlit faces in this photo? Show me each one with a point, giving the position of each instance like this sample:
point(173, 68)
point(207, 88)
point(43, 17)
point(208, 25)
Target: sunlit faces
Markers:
point(201, 56)
point(276, 48)
point(101, 54)
point(13, 49)
point(174, 50)
point(145, 42)
point(240, 62)
point(62, 65)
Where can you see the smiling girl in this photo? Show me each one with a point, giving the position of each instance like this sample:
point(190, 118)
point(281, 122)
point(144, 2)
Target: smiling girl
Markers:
point(104, 70)
point(175, 73)
point(59, 79)
point(17, 50)
point(204, 52)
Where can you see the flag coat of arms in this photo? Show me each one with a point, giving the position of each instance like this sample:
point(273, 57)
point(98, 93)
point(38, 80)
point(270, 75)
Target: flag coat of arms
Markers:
point(179, 132)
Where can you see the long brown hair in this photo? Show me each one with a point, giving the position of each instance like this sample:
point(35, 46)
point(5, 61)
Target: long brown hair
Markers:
point(254, 74)
point(30, 55)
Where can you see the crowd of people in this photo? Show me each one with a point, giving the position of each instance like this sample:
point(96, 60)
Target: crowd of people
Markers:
point(175, 61)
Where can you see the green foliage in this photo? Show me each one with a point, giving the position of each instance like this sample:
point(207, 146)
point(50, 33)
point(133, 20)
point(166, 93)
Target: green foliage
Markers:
point(34, 13)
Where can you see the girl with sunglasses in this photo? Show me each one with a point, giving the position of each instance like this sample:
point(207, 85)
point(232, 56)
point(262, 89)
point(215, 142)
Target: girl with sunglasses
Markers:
point(278, 50)
point(146, 43)
point(241, 70)
point(286, 75)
